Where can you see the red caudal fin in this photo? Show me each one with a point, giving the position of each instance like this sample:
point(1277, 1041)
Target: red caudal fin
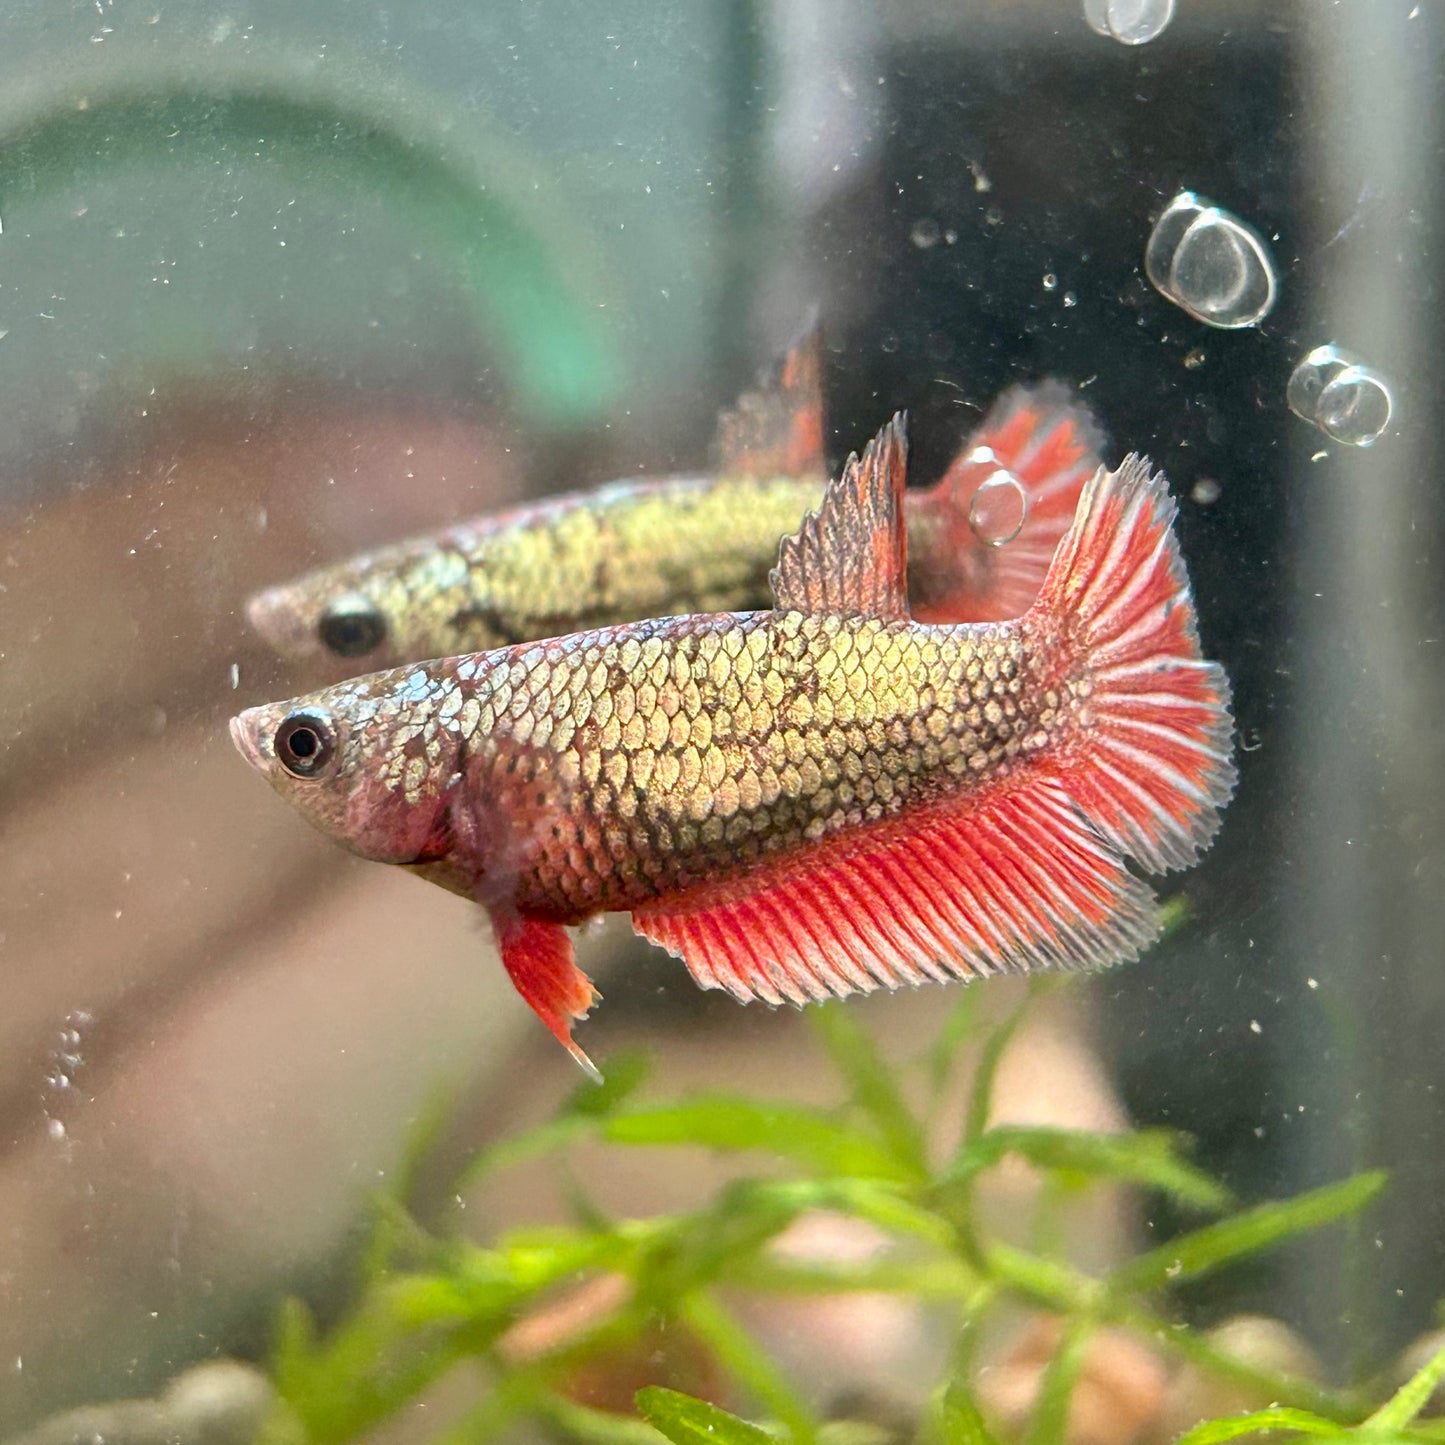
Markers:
point(538, 958)
point(777, 430)
point(1047, 442)
point(1005, 879)
point(1150, 766)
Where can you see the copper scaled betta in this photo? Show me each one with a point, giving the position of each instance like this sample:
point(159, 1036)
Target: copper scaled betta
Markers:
point(823, 798)
point(651, 548)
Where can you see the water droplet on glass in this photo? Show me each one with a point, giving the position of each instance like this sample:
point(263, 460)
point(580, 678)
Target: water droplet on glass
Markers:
point(1345, 399)
point(1130, 22)
point(999, 509)
point(925, 233)
point(1210, 263)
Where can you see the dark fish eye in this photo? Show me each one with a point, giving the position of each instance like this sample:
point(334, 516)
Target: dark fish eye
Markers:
point(305, 743)
point(351, 627)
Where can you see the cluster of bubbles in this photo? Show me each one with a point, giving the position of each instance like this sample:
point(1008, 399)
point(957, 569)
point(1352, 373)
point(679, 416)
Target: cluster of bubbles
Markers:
point(1000, 505)
point(1345, 399)
point(1210, 264)
point(1219, 270)
point(65, 1060)
point(1130, 22)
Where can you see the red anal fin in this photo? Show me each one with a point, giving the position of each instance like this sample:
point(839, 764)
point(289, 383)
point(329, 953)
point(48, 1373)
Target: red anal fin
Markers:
point(537, 955)
point(1008, 878)
point(1049, 442)
point(850, 556)
point(1151, 763)
point(777, 430)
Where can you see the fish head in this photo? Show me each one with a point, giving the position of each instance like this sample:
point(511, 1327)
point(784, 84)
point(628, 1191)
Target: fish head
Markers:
point(367, 762)
point(345, 614)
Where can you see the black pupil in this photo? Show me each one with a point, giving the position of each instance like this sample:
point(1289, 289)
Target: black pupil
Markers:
point(304, 745)
point(352, 631)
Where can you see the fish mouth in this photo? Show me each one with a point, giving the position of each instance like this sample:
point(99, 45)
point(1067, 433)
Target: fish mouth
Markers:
point(244, 740)
point(274, 617)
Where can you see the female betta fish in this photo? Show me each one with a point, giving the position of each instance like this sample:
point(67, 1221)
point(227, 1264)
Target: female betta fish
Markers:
point(818, 799)
point(699, 543)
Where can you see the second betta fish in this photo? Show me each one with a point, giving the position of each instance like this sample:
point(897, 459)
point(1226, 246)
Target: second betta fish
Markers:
point(656, 548)
point(823, 798)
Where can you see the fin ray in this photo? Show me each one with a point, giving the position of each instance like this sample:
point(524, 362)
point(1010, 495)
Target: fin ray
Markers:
point(777, 429)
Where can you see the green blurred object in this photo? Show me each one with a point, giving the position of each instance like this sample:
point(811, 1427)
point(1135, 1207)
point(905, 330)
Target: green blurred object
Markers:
point(468, 195)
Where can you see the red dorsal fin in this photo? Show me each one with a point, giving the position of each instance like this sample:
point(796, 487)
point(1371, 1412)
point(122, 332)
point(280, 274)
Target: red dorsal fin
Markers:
point(777, 430)
point(850, 556)
point(537, 955)
point(1008, 878)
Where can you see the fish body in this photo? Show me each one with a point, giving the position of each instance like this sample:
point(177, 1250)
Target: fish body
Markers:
point(653, 548)
point(818, 799)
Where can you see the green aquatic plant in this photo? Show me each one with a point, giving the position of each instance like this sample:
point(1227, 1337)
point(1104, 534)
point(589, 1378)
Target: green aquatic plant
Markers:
point(427, 1303)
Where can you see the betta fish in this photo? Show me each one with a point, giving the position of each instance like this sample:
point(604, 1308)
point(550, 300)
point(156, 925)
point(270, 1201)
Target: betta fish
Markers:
point(819, 799)
point(657, 548)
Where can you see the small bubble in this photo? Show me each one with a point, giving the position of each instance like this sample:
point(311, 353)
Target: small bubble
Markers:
point(1210, 263)
point(1255, 1027)
point(888, 343)
point(1051, 282)
point(999, 509)
point(925, 233)
point(1173, 1271)
point(1071, 298)
point(993, 216)
point(1193, 360)
point(55, 1129)
point(1205, 492)
point(1348, 401)
point(235, 676)
point(1313, 982)
point(1130, 22)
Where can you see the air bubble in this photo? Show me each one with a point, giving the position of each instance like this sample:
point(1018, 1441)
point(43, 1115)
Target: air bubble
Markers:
point(1210, 263)
point(1130, 22)
point(1348, 401)
point(925, 233)
point(999, 509)
point(1051, 282)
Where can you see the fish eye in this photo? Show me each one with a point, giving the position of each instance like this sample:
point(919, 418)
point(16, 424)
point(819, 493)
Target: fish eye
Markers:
point(351, 627)
point(305, 743)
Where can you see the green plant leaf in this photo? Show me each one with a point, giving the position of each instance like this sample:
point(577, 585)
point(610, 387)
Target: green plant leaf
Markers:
point(1050, 1420)
point(731, 1122)
point(1412, 1397)
point(1246, 1233)
point(1149, 1157)
point(872, 1083)
point(749, 1362)
point(622, 1075)
point(980, 1100)
point(1278, 1417)
point(952, 1418)
point(685, 1420)
point(595, 1427)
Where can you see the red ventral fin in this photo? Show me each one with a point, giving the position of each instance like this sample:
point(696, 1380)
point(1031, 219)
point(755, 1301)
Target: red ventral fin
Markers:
point(537, 955)
point(1150, 765)
point(1048, 442)
point(1007, 878)
point(850, 556)
point(777, 430)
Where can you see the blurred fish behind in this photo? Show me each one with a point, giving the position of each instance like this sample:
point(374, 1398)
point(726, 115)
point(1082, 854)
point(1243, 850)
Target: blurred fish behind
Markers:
point(658, 548)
